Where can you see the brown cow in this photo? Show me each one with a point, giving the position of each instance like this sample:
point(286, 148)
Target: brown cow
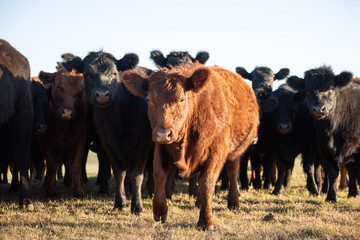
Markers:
point(65, 136)
point(201, 118)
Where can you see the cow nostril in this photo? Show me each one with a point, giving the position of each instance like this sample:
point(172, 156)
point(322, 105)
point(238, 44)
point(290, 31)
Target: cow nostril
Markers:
point(97, 94)
point(107, 94)
point(169, 135)
point(323, 109)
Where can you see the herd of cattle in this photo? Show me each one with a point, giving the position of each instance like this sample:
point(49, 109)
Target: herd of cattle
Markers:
point(186, 119)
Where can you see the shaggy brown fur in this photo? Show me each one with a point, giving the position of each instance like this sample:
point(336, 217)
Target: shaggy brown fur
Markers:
point(201, 117)
point(66, 132)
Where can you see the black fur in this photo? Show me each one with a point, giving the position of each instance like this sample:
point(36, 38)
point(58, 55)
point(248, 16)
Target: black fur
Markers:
point(16, 117)
point(177, 58)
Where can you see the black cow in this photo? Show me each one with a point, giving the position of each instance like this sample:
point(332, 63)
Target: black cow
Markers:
point(40, 98)
point(120, 119)
point(262, 79)
point(334, 100)
point(177, 58)
point(293, 134)
point(16, 117)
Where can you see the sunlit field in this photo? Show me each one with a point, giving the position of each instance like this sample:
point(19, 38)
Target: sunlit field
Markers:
point(293, 215)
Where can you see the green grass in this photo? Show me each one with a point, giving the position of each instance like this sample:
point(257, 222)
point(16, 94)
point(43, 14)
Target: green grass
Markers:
point(296, 215)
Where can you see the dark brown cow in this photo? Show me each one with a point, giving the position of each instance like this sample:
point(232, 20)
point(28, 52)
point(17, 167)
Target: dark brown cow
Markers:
point(65, 136)
point(201, 118)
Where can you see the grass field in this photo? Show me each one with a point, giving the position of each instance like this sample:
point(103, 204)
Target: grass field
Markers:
point(296, 215)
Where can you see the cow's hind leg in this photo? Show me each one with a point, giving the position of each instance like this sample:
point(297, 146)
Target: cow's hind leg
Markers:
point(232, 168)
point(351, 168)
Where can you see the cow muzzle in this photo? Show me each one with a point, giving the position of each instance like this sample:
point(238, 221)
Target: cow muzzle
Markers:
point(284, 128)
point(67, 113)
point(40, 128)
point(163, 136)
point(319, 111)
point(102, 98)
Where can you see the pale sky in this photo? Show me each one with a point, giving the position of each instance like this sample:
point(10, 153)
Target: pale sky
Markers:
point(298, 35)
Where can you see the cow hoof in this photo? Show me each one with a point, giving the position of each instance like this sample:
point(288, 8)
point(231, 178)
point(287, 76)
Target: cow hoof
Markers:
point(162, 218)
point(27, 203)
point(136, 210)
point(207, 229)
point(331, 200)
point(234, 208)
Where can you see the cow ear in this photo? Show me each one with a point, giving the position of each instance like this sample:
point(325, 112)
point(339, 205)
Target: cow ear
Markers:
point(198, 79)
point(71, 62)
point(242, 71)
point(296, 83)
point(202, 57)
point(158, 58)
point(343, 79)
point(269, 104)
point(135, 83)
point(129, 61)
point(47, 78)
point(283, 73)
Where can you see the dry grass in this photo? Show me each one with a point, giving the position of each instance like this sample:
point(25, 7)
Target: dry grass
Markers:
point(296, 215)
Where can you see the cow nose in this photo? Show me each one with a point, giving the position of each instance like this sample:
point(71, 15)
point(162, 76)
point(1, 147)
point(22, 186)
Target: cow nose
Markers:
point(102, 97)
point(163, 136)
point(319, 110)
point(284, 126)
point(66, 113)
point(40, 128)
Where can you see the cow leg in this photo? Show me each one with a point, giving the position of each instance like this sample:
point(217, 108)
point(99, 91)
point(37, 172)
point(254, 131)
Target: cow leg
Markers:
point(83, 162)
point(170, 182)
point(162, 164)
point(150, 183)
point(308, 166)
point(319, 174)
point(343, 181)
point(232, 169)
point(351, 168)
point(137, 177)
point(20, 129)
point(52, 165)
point(333, 173)
point(244, 180)
point(104, 173)
point(256, 167)
point(267, 162)
point(15, 184)
point(193, 188)
point(207, 181)
point(75, 170)
point(288, 173)
point(279, 186)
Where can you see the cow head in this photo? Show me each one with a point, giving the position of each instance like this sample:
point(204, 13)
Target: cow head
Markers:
point(66, 93)
point(288, 103)
point(40, 98)
point(167, 94)
point(102, 74)
point(262, 79)
point(177, 58)
point(320, 85)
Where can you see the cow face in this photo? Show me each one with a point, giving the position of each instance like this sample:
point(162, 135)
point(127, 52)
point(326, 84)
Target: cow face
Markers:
point(168, 99)
point(288, 103)
point(321, 86)
point(262, 79)
point(66, 93)
point(40, 97)
point(102, 76)
point(177, 58)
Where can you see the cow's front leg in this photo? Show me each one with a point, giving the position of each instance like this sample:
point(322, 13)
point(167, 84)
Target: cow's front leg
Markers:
point(162, 161)
point(207, 181)
point(120, 196)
